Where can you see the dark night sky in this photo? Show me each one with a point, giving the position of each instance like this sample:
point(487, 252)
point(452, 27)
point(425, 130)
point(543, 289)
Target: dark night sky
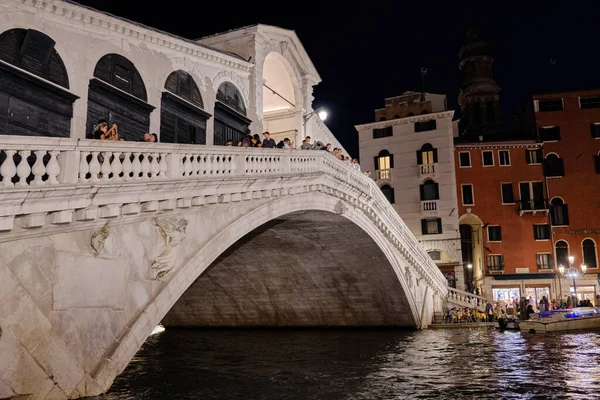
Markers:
point(368, 55)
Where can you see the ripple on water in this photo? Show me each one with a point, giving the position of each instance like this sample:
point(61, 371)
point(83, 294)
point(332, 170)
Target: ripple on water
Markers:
point(362, 364)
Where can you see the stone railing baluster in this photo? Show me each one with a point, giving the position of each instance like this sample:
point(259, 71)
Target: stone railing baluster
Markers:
point(23, 169)
point(95, 167)
point(145, 166)
point(154, 167)
point(38, 169)
point(127, 166)
point(8, 169)
point(137, 166)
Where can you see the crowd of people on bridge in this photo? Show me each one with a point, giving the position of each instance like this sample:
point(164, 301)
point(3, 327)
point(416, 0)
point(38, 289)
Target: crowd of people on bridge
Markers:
point(102, 131)
point(268, 142)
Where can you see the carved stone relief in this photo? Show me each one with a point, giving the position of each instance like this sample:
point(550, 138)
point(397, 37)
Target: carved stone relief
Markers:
point(340, 207)
point(173, 232)
point(98, 239)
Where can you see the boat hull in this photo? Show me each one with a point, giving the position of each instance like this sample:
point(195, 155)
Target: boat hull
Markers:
point(575, 324)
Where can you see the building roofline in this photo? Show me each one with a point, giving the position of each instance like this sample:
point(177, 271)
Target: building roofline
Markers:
point(540, 96)
point(405, 120)
point(265, 29)
point(228, 58)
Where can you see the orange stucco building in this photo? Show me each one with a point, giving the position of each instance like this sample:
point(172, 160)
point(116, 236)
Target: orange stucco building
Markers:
point(569, 127)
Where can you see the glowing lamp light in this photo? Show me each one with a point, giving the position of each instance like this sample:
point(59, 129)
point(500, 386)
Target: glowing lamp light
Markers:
point(571, 259)
point(583, 268)
point(323, 115)
point(561, 269)
point(470, 266)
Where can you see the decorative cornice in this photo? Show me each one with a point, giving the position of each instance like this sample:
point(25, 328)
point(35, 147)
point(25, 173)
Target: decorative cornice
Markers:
point(509, 145)
point(116, 25)
point(406, 120)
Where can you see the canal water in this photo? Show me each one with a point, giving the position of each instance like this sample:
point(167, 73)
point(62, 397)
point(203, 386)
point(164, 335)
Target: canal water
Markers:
point(453, 364)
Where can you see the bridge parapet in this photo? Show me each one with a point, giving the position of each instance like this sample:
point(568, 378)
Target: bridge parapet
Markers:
point(50, 182)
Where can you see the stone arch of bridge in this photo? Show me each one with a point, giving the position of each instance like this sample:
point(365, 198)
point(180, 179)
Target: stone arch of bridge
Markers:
point(197, 264)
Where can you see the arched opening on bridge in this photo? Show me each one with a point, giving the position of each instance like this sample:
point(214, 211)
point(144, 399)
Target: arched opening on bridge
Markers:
point(34, 95)
point(282, 103)
point(307, 268)
point(471, 241)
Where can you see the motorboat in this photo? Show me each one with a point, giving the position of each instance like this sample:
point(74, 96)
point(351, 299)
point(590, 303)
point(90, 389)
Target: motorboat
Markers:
point(575, 319)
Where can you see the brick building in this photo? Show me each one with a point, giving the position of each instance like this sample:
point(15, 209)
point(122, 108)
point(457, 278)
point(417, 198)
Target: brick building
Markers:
point(569, 128)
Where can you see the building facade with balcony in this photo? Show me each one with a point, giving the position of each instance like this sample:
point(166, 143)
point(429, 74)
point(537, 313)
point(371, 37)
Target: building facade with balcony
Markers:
point(568, 125)
point(504, 218)
point(409, 153)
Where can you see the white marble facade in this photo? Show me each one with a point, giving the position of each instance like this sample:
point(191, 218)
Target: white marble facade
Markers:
point(84, 35)
point(406, 176)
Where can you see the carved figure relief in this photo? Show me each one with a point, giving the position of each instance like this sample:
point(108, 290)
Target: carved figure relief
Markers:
point(340, 208)
point(408, 277)
point(173, 232)
point(98, 239)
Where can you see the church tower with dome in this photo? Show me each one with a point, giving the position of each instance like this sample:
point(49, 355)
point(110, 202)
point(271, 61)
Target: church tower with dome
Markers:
point(479, 95)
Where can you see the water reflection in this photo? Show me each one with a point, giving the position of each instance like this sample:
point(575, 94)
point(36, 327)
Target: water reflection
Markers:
point(362, 364)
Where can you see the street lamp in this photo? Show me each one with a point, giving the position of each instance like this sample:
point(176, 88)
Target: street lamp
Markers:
point(321, 112)
point(572, 272)
point(469, 277)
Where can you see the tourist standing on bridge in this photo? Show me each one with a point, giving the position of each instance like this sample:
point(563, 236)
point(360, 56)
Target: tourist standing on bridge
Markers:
point(268, 142)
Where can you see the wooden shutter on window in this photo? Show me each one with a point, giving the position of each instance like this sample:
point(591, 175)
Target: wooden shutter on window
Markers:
point(439, 224)
point(419, 157)
point(424, 226)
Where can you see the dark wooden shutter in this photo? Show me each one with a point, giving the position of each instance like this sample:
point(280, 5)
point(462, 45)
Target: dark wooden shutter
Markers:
point(419, 157)
point(565, 211)
point(597, 164)
point(171, 83)
point(36, 51)
point(439, 224)
point(392, 195)
point(528, 156)
point(376, 163)
point(391, 161)
point(422, 191)
point(435, 156)
point(10, 45)
point(437, 190)
point(424, 226)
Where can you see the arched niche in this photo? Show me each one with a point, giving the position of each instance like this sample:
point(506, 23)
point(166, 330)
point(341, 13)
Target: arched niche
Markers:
point(34, 96)
point(182, 118)
point(118, 95)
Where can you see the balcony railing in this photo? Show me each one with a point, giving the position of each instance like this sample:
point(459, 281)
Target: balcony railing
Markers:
point(429, 205)
point(426, 169)
point(384, 174)
point(545, 267)
point(534, 206)
point(495, 268)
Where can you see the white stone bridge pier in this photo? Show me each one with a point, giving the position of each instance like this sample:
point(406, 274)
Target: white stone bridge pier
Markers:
point(100, 241)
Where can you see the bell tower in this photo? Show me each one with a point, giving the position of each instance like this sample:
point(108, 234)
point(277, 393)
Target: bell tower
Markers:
point(479, 95)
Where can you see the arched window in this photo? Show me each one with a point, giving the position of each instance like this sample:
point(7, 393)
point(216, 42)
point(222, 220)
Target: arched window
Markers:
point(182, 84)
point(590, 258)
point(117, 94)
point(28, 105)
point(554, 166)
point(559, 212)
point(182, 119)
point(118, 71)
point(561, 249)
point(427, 155)
point(229, 95)
point(230, 115)
point(388, 192)
point(384, 162)
point(429, 190)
